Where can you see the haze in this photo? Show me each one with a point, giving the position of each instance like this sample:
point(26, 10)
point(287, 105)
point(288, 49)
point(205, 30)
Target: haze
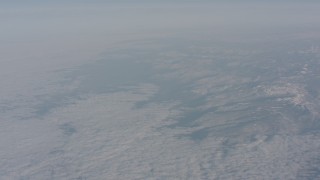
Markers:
point(159, 90)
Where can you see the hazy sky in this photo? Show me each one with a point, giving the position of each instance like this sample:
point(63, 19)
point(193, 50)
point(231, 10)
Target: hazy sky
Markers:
point(49, 48)
point(65, 32)
point(49, 29)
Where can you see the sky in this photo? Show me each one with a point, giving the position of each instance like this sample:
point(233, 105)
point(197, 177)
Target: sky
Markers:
point(42, 42)
point(47, 28)
point(34, 30)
